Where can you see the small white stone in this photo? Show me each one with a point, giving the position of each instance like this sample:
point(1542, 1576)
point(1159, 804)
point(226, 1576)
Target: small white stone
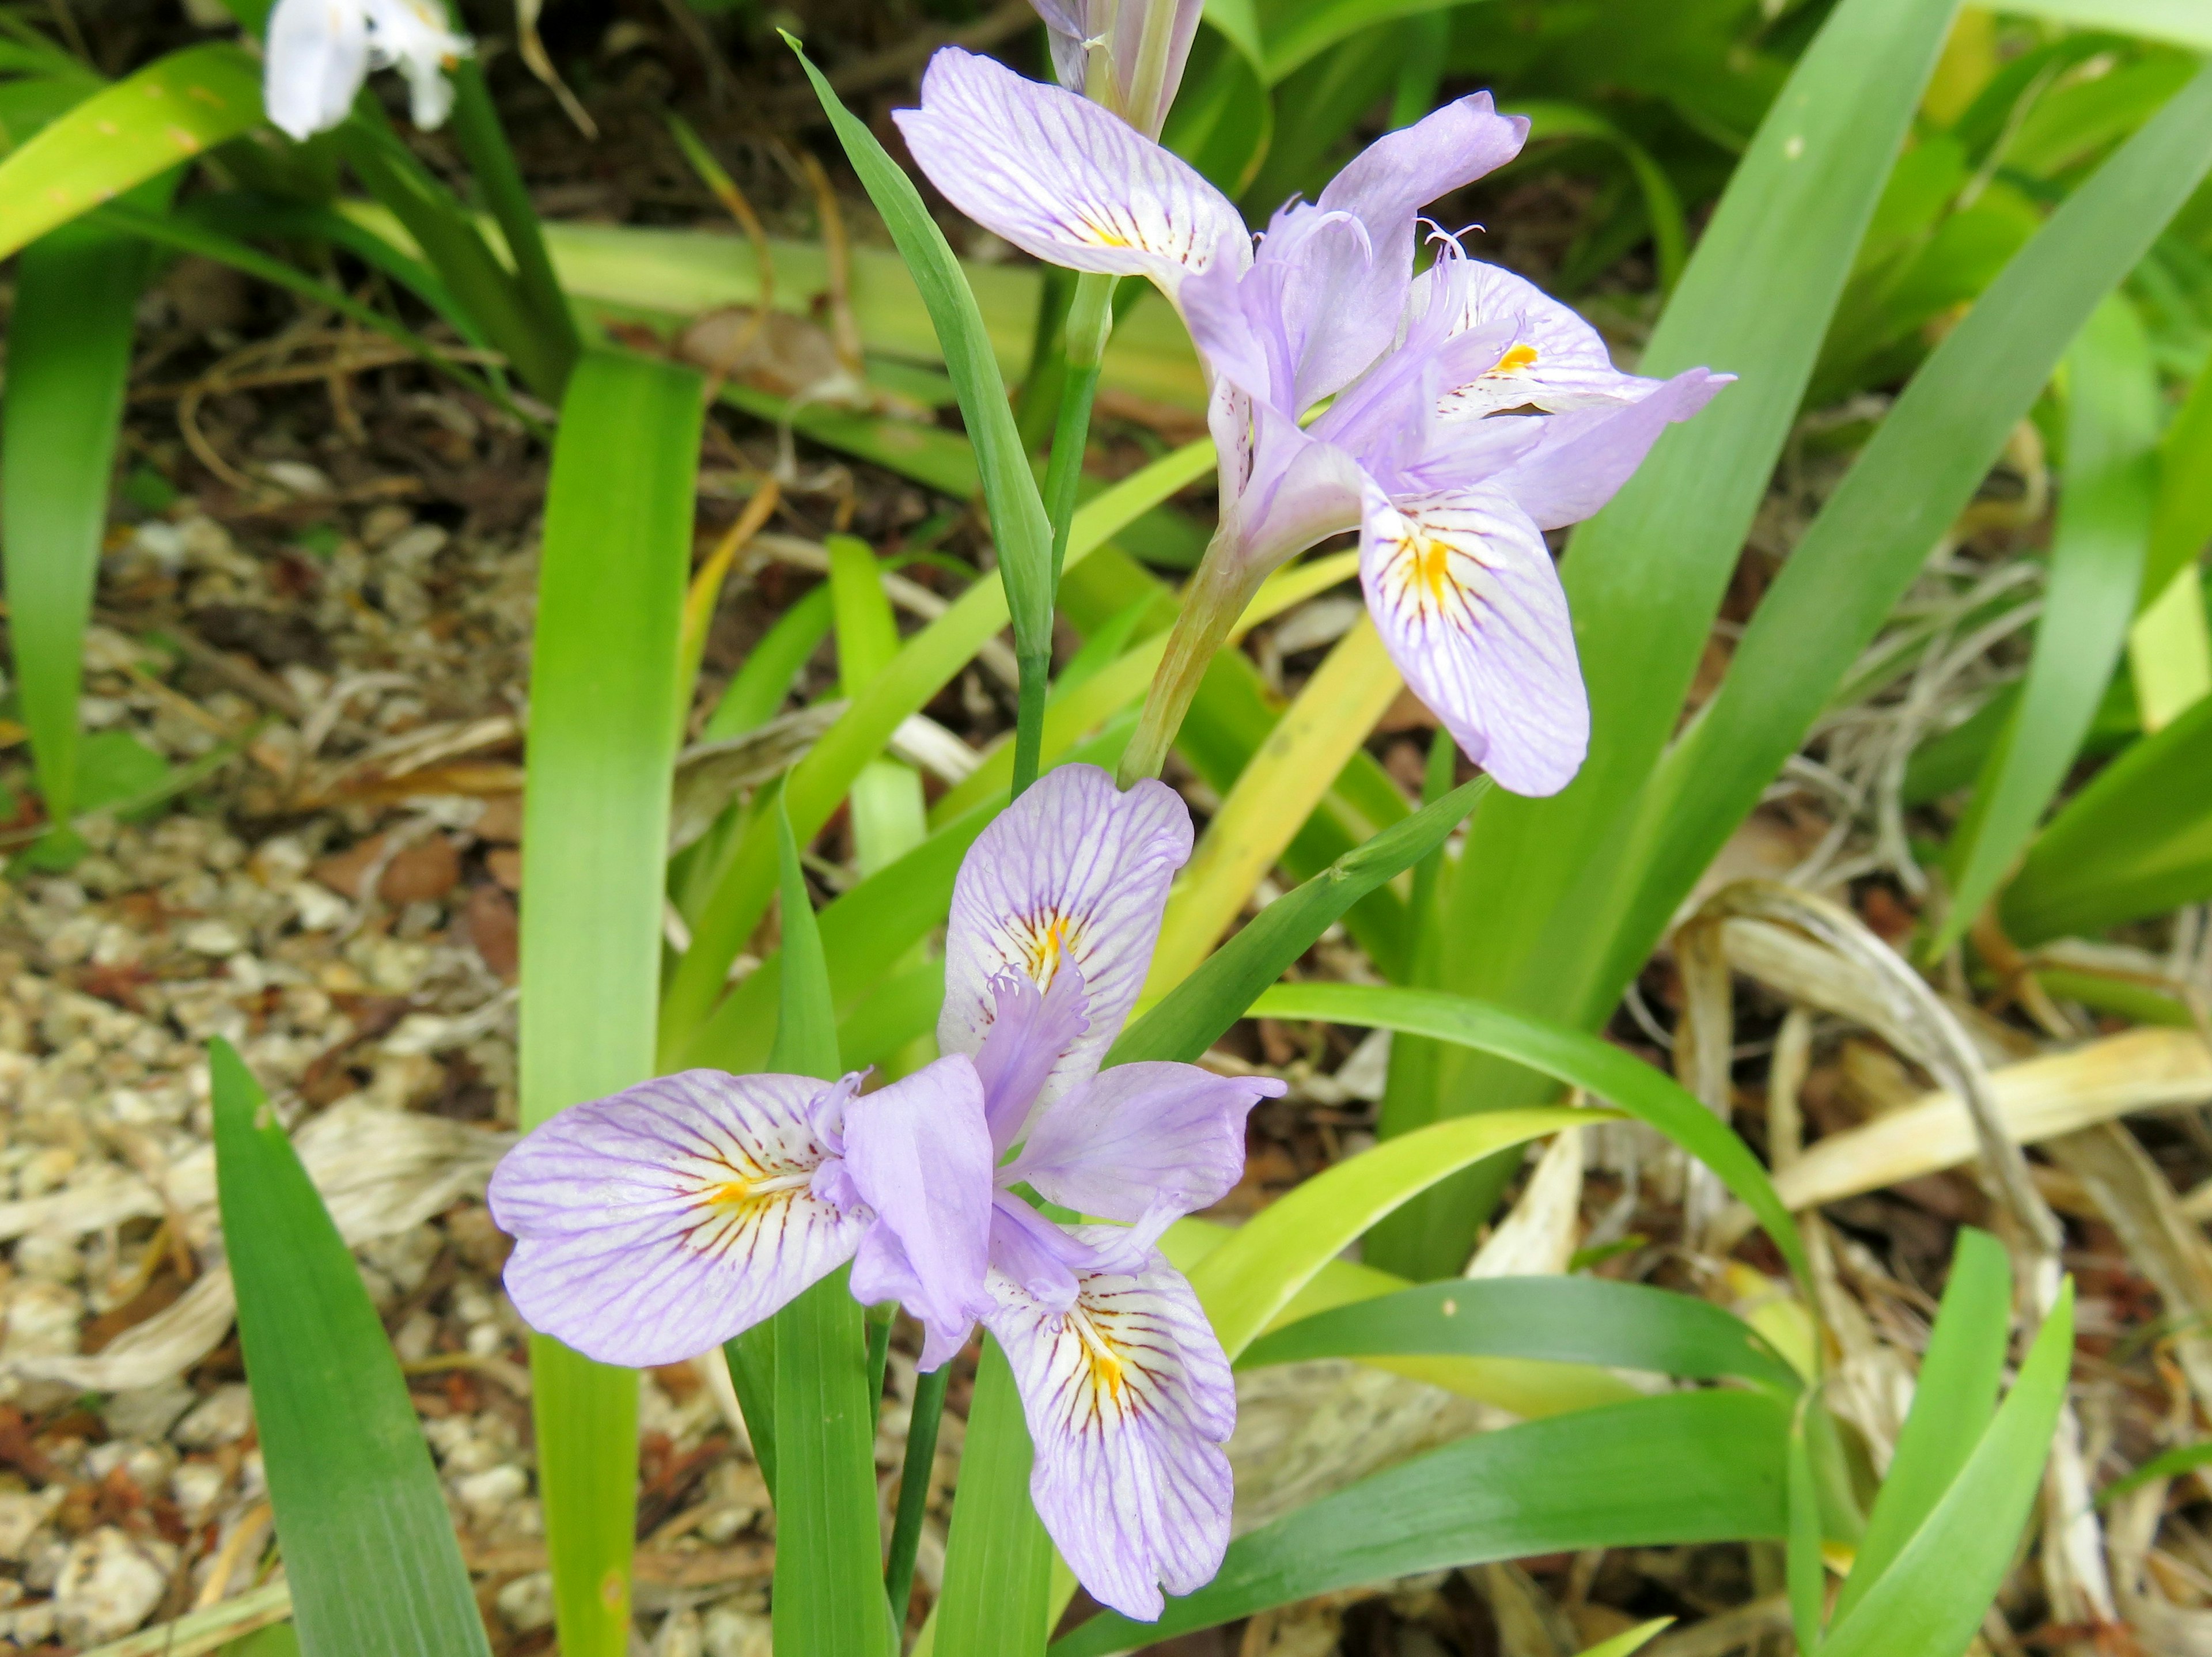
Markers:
point(147, 1412)
point(319, 908)
point(22, 1514)
point(42, 1320)
point(28, 1625)
point(47, 1257)
point(728, 1631)
point(221, 1417)
point(491, 1489)
point(526, 1603)
point(108, 1584)
point(212, 938)
point(679, 1636)
point(196, 1486)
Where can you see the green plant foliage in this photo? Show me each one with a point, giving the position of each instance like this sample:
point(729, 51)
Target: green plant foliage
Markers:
point(1953, 1401)
point(997, 1560)
point(603, 687)
point(1571, 1319)
point(1931, 1600)
point(369, 1547)
point(2136, 841)
point(1257, 1272)
point(1019, 527)
point(1195, 1014)
point(2096, 567)
point(169, 112)
point(1917, 474)
point(828, 1599)
point(68, 358)
point(1571, 1056)
point(1682, 1467)
point(1533, 909)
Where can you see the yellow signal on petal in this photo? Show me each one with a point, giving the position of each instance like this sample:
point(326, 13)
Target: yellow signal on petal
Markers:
point(1515, 359)
point(1433, 566)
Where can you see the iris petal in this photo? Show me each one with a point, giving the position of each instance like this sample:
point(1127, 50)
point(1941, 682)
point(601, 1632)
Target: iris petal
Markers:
point(1062, 178)
point(1074, 870)
point(1128, 1400)
point(661, 1220)
point(1464, 591)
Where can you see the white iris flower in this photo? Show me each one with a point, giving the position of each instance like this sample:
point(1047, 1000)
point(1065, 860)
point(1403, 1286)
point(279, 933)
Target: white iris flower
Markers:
point(320, 51)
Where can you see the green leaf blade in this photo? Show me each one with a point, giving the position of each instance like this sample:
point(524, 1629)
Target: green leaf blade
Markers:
point(595, 809)
point(368, 1544)
point(1683, 1467)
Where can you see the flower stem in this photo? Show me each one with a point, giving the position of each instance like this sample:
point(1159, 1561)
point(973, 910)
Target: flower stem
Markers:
point(1090, 321)
point(1211, 604)
point(913, 1487)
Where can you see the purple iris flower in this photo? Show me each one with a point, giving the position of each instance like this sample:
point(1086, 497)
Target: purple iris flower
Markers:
point(657, 1223)
point(1348, 393)
point(1127, 54)
point(1123, 1381)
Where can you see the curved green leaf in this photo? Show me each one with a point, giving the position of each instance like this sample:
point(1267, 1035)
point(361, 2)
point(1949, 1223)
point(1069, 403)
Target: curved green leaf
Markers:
point(1919, 471)
point(1193, 1016)
point(368, 1545)
point(1952, 1400)
point(1570, 1320)
point(69, 359)
point(2136, 841)
point(1684, 1467)
point(171, 110)
point(617, 546)
point(1243, 1284)
point(1572, 1056)
point(2096, 565)
point(1932, 1599)
point(1537, 899)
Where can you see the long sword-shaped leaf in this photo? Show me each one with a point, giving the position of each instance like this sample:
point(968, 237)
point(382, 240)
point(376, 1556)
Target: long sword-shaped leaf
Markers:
point(68, 356)
point(1930, 1602)
point(1685, 1467)
point(1193, 1016)
point(1569, 1319)
point(1019, 527)
point(828, 1597)
point(1532, 905)
point(1568, 1055)
point(602, 740)
point(368, 1545)
point(925, 664)
point(1922, 467)
point(171, 110)
point(2096, 566)
point(1249, 1279)
point(1952, 1403)
point(2136, 842)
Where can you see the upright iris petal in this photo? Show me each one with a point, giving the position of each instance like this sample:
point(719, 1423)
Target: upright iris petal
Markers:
point(659, 1222)
point(1424, 450)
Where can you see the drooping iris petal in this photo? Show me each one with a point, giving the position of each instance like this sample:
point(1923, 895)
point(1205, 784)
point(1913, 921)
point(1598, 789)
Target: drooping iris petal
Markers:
point(1074, 870)
point(1464, 593)
point(1028, 1033)
point(1128, 1400)
point(1060, 178)
point(918, 1154)
point(1041, 1257)
point(318, 56)
point(1143, 1143)
point(411, 36)
point(659, 1222)
point(1582, 458)
point(1549, 359)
